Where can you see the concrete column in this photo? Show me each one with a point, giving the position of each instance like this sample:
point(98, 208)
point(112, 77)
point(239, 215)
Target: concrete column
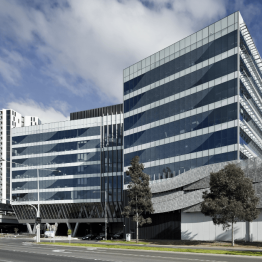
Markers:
point(247, 232)
point(69, 226)
point(250, 232)
point(249, 235)
point(34, 229)
point(75, 230)
point(56, 227)
point(29, 228)
point(47, 226)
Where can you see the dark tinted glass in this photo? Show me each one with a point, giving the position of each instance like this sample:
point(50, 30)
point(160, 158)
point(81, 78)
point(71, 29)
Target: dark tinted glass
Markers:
point(196, 56)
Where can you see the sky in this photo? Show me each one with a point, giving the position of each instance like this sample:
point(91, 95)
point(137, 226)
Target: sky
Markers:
point(64, 56)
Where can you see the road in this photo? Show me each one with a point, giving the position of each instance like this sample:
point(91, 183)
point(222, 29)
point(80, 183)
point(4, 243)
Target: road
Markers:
point(20, 250)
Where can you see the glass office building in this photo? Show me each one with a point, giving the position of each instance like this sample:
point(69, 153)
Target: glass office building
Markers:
point(77, 161)
point(181, 103)
point(192, 106)
point(188, 110)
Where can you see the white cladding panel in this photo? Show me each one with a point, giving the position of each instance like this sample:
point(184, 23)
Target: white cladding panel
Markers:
point(256, 229)
point(196, 226)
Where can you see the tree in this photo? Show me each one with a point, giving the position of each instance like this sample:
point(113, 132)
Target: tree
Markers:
point(231, 198)
point(139, 195)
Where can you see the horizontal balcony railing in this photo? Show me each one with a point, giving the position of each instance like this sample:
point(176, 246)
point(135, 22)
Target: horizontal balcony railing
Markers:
point(247, 129)
point(250, 88)
point(247, 152)
point(251, 67)
point(251, 46)
point(251, 111)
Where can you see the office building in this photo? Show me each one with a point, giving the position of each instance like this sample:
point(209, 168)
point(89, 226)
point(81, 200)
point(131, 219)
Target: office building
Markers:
point(188, 110)
point(76, 163)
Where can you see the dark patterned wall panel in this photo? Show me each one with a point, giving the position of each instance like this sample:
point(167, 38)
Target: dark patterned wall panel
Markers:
point(69, 211)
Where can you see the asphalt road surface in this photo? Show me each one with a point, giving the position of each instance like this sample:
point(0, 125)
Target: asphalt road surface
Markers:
point(20, 250)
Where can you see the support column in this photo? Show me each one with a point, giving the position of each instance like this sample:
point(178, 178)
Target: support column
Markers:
point(69, 227)
point(75, 230)
point(56, 227)
point(34, 229)
point(29, 228)
point(250, 232)
point(48, 226)
point(247, 232)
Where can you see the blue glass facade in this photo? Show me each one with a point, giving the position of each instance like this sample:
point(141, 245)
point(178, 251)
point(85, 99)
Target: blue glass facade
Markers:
point(44, 184)
point(185, 125)
point(64, 171)
point(49, 136)
point(58, 147)
point(199, 99)
point(61, 159)
point(73, 164)
point(222, 91)
point(52, 196)
point(194, 57)
point(186, 146)
point(183, 111)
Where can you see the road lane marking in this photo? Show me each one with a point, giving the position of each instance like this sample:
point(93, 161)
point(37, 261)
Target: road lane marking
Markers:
point(160, 257)
point(119, 254)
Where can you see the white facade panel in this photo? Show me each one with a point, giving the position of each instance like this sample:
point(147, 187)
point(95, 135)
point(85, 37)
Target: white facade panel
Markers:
point(197, 226)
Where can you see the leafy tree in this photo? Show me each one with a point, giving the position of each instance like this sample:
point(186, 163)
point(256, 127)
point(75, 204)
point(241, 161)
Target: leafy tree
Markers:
point(139, 195)
point(231, 198)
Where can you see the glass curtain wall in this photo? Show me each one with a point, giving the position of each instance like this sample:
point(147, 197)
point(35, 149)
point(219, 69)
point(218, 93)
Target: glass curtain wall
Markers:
point(180, 104)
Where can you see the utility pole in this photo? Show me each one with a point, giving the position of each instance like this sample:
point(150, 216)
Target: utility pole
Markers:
point(38, 210)
point(105, 214)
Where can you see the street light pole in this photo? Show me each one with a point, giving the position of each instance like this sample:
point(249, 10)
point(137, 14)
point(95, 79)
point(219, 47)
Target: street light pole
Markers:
point(105, 214)
point(38, 211)
point(38, 192)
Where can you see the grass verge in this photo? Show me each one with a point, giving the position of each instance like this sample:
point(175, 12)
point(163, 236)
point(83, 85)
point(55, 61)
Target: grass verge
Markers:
point(220, 252)
point(124, 242)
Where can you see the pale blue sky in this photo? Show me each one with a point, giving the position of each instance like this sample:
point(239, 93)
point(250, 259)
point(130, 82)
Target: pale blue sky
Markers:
point(58, 57)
